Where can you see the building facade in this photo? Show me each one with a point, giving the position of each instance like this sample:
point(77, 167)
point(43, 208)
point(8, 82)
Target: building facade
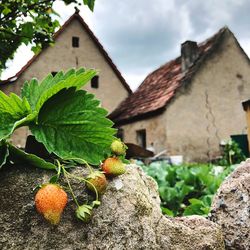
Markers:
point(189, 105)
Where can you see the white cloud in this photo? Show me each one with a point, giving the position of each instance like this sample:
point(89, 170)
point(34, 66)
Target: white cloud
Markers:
point(142, 35)
point(22, 55)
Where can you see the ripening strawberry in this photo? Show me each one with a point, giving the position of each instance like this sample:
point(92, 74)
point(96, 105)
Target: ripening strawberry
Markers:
point(113, 166)
point(50, 200)
point(118, 147)
point(97, 179)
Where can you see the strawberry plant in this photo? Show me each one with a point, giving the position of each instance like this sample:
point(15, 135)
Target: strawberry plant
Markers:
point(69, 122)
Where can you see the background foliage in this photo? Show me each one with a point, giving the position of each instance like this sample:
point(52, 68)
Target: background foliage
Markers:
point(28, 22)
point(187, 189)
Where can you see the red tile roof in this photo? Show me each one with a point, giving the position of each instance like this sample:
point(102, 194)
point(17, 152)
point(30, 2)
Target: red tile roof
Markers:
point(160, 86)
point(93, 37)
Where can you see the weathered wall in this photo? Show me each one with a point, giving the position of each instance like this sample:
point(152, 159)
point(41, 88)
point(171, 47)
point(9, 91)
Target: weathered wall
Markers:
point(210, 110)
point(63, 56)
point(207, 111)
point(155, 132)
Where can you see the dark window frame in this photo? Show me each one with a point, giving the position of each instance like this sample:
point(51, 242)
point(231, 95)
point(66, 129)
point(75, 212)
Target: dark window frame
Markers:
point(53, 73)
point(95, 82)
point(141, 138)
point(75, 41)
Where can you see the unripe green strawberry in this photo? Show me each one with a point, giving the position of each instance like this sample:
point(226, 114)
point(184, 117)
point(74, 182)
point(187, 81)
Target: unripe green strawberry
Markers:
point(118, 147)
point(50, 201)
point(113, 166)
point(98, 179)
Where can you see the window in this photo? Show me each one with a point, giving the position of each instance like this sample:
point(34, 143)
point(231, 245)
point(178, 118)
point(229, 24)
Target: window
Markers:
point(53, 73)
point(141, 138)
point(95, 82)
point(120, 133)
point(75, 42)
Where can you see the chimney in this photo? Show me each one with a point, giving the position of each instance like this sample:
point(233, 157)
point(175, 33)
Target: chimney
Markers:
point(189, 53)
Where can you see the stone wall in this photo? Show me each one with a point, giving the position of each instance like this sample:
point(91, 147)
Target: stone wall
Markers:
point(129, 218)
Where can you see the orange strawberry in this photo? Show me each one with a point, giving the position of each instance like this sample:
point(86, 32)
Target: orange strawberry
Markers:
point(113, 166)
point(97, 179)
point(50, 200)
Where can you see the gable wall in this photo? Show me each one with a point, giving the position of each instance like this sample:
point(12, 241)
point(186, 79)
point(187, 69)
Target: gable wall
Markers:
point(210, 110)
point(63, 56)
point(207, 111)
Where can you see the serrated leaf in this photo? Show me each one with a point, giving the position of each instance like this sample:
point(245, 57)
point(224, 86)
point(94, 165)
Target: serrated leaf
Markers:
point(13, 112)
point(37, 94)
point(4, 153)
point(13, 105)
point(72, 125)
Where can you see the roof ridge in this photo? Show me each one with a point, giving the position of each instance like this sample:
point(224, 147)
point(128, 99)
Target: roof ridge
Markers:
point(167, 78)
point(93, 37)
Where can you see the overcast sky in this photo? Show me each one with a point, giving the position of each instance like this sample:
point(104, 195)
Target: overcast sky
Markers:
point(141, 35)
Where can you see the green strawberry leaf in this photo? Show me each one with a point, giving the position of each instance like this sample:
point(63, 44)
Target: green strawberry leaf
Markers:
point(13, 112)
point(53, 179)
point(37, 94)
point(4, 153)
point(76, 127)
point(17, 155)
point(13, 105)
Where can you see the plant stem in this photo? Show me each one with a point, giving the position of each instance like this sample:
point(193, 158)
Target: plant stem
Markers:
point(59, 168)
point(81, 161)
point(82, 179)
point(90, 168)
point(18, 154)
point(69, 185)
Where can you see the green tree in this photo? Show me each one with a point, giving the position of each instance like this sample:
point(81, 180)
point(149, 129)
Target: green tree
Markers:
point(29, 22)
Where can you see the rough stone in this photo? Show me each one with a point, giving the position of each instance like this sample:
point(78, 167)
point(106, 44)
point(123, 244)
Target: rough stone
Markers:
point(231, 208)
point(128, 218)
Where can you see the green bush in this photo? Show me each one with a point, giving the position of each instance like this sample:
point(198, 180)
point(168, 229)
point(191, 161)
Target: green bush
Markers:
point(186, 189)
point(232, 154)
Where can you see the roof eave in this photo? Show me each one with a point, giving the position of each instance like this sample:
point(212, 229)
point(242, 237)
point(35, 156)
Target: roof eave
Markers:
point(138, 117)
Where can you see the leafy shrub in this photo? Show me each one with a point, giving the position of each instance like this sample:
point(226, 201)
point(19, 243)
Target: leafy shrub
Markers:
point(186, 189)
point(232, 154)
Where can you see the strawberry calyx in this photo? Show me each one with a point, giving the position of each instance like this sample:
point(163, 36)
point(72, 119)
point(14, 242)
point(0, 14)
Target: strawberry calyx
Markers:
point(84, 212)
